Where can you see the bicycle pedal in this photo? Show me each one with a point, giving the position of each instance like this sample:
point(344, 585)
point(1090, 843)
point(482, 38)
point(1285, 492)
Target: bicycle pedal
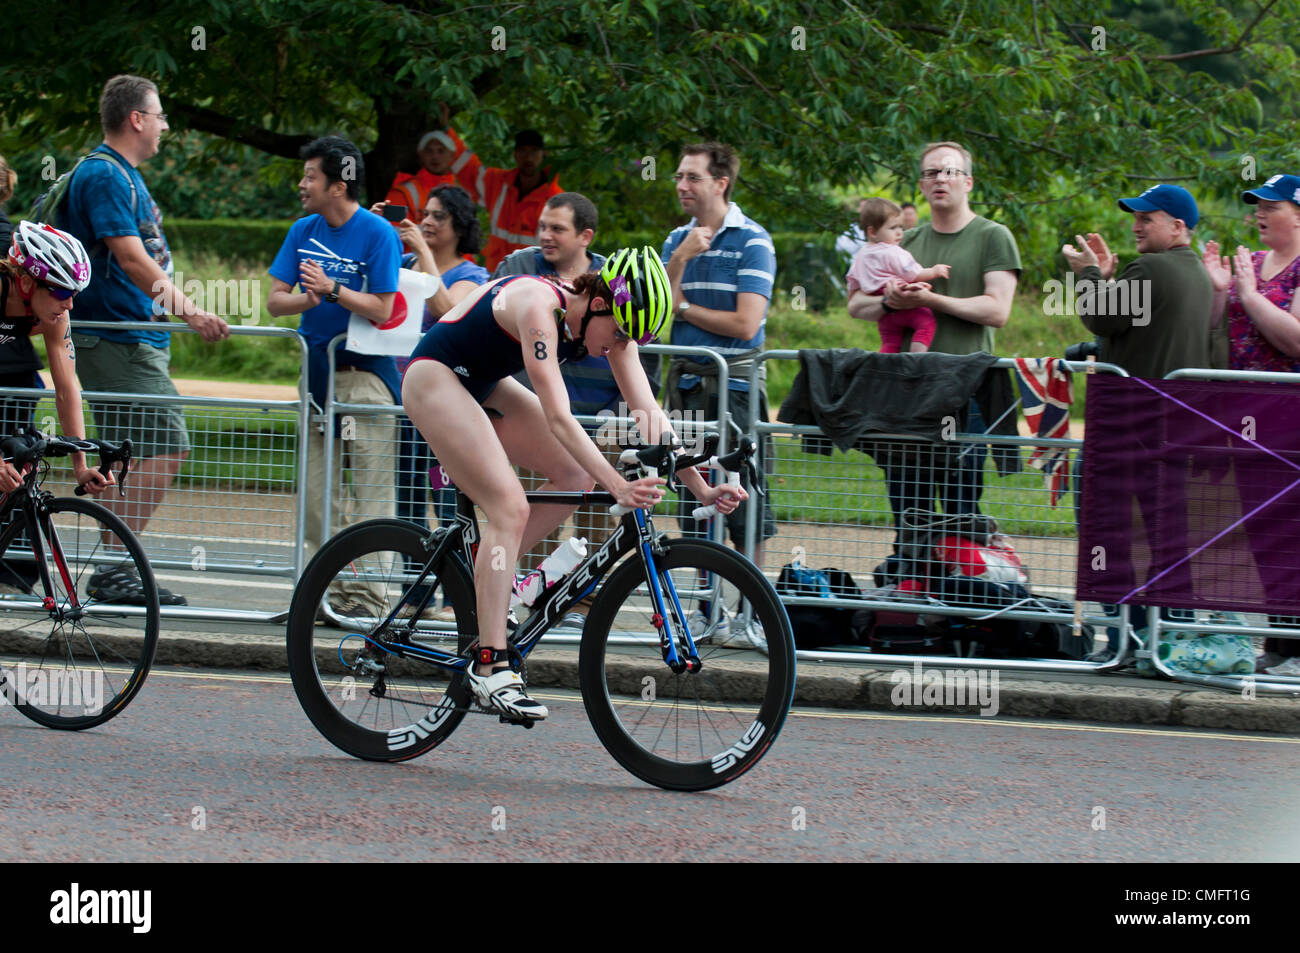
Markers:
point(526, 722)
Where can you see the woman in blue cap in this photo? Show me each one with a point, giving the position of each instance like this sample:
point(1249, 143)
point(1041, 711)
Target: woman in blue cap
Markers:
point(1264, 334)
point(1260, 289)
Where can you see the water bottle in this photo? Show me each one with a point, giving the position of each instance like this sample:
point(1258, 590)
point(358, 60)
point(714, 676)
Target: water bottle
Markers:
point(554, 567)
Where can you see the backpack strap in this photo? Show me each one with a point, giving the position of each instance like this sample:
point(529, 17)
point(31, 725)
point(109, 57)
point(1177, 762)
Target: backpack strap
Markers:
point(100, 246)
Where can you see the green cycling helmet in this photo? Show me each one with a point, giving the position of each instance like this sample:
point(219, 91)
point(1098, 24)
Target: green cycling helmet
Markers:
point(642, 296)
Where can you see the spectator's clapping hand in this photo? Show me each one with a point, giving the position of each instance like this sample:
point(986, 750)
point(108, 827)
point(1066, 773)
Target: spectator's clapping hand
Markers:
point(1216, 266)
point(314, 281)
point(1080, 257)
point(1244, 271)
point(1106, 260)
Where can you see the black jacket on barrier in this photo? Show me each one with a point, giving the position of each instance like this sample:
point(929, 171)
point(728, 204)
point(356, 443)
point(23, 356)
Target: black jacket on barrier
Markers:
point(848, 393)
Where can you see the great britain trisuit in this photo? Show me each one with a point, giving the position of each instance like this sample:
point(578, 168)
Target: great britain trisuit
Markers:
point(476, 347)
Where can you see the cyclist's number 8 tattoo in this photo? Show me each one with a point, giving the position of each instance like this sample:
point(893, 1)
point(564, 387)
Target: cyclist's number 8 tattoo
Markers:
point(539, 350)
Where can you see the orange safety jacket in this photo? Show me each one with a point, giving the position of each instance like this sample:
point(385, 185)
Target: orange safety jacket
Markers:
point(413, 190)
point(512, 219)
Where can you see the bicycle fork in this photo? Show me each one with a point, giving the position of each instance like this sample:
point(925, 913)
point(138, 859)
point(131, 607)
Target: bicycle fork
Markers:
point(42, 526)
point(668, 616)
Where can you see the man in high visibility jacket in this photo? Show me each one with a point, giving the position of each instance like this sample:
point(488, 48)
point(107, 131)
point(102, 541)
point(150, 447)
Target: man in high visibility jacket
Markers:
point(442, 155)
point(514, 197)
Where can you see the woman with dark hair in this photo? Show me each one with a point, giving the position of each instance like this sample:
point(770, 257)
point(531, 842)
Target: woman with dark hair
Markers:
point(441, 245)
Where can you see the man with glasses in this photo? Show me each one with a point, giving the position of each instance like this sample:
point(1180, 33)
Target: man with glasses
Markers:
point(109, 210)
point(722, 267)
point(969, 305)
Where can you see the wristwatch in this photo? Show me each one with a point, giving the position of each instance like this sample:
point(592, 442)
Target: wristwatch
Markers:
point(332, 296)
point(886, 308)
point(682, 307)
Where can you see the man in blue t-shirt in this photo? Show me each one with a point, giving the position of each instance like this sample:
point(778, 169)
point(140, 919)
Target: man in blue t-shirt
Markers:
point(109, 210)
point(345, 260)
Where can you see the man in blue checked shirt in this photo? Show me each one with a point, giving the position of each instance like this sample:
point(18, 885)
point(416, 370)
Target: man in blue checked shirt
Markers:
point(722, 266)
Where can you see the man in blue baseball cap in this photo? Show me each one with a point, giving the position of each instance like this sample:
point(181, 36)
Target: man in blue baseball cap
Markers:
point(1151, 320)
point(1156, 316)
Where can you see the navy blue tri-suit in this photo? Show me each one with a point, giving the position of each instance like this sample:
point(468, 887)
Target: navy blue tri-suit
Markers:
point(477, 349)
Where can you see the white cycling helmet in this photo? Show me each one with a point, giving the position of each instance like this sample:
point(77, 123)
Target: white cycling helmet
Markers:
point(51, 256)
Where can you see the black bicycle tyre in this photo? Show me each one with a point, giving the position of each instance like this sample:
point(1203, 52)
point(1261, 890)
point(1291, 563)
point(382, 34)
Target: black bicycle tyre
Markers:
point(597, 664)
point(315, 691)
point(129, 657)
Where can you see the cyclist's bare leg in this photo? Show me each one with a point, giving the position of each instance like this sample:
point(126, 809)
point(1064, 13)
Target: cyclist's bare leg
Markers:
point(528, 442)
point(463, 439)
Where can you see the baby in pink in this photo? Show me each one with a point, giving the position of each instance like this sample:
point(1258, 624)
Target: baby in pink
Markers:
point(882, 259)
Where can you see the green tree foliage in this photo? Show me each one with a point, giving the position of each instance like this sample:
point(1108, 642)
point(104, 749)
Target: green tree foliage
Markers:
point(1065, 104)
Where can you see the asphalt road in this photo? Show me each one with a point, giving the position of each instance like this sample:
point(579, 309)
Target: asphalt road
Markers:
point(219, 766)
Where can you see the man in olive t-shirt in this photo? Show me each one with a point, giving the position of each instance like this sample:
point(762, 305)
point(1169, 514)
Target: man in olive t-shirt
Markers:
point(973, 301)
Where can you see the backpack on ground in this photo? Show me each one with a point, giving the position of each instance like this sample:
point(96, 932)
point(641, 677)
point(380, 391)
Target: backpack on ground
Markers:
point(815, 626)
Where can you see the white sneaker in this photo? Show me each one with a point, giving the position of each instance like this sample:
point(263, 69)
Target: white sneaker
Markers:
point(743, 636)
point(1290, 667)
point(503, 691)
point(698, 623)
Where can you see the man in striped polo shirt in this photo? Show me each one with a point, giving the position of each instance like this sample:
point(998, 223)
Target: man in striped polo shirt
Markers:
point(722, 266)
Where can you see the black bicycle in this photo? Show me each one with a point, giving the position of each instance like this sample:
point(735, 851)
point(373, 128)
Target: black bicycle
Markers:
point(667, 692)
point(71, 655)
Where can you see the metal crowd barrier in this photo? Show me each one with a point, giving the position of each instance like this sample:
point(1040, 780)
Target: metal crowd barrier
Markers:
point(1261, 682)
point(835, 511)
point(228, 532)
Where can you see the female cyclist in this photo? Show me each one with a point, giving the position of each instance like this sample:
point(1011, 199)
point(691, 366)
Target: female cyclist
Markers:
point(44, 270)
point(461, 371)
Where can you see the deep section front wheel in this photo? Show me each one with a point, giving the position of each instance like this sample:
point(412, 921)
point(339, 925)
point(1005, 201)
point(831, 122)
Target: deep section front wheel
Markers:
point(362, 697)
point(76, 657)
point(694, 730)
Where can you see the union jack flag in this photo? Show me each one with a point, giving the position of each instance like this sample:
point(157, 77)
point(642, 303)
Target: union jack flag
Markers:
point(1046, 392)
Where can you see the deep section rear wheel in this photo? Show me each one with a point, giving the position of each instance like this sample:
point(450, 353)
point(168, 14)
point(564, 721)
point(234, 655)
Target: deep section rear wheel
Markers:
point(364, 699)
point(689, 731)
point(77, 660)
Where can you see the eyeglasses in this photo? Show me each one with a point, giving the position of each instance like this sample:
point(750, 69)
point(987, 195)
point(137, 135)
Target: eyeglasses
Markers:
point(691, 177)
point(948, 172)
point(441, 215)
point(160, 115)
point(58, 294)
